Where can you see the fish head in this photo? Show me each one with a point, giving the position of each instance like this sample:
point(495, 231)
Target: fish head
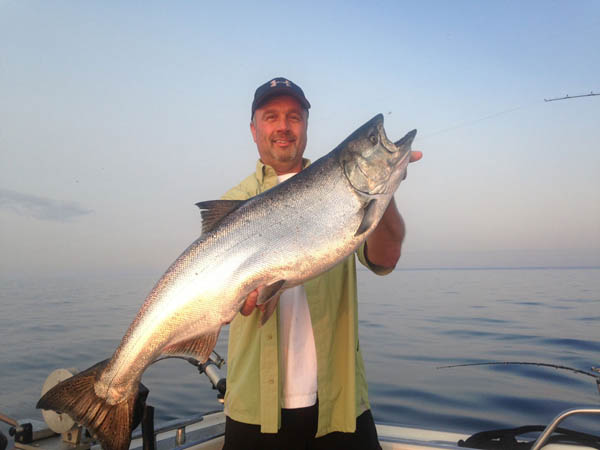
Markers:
point(371, 162)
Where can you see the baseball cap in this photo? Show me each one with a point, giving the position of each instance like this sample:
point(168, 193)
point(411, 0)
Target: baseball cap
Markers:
point(278, 86)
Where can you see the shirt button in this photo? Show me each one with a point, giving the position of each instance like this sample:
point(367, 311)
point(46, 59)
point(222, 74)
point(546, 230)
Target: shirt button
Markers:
point(269, 337)
point(270, 381)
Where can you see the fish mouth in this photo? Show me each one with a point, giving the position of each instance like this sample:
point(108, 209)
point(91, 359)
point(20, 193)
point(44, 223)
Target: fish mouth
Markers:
point(381, 160)
point(388, 145)
point(406, 140)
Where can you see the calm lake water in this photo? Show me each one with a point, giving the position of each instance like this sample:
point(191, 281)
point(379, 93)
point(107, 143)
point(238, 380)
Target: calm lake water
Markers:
point(412, 322)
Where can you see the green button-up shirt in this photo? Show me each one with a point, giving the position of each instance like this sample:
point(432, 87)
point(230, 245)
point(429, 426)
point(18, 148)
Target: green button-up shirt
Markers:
point(254, 383)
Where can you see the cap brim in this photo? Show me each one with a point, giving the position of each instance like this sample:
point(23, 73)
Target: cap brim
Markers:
point(280, 91)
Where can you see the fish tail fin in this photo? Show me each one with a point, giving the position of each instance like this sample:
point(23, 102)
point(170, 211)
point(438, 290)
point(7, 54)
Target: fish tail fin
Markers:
point(75, 396)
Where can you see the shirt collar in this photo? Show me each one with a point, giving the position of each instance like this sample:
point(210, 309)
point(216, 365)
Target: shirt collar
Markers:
point(264, 172)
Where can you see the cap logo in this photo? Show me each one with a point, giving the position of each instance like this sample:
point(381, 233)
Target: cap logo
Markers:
point(274, 83)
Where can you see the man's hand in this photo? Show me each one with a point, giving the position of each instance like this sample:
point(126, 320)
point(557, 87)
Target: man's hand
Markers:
point(415, 156)
point(250, 303)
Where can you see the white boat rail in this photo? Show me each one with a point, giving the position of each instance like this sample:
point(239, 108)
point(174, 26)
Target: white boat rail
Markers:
point(542, 438)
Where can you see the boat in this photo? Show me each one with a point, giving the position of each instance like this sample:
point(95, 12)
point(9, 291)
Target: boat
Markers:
point(206, 431)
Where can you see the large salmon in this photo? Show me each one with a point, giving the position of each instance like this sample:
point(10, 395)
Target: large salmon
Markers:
point(276, 240)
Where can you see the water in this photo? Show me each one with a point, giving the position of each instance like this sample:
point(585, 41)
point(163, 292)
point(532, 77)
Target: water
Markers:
point(411, 323)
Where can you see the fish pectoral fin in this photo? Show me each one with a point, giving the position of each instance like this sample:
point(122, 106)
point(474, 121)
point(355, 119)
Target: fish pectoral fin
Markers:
point(270, 306)
point(268, 292)
point(369, 217)
point(198, 347)
point(213, 212)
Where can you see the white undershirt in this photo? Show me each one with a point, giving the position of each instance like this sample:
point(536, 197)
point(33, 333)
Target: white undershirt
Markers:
point(297, 346)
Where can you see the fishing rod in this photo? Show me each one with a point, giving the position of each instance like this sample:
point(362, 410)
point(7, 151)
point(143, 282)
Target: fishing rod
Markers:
point(596, 375)
point(499, 113)
point(210, 368)
point(567, 97)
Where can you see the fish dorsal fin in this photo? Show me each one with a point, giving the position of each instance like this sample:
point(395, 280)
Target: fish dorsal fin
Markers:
point(369, 217)
point(198, 347)
point(270, 307)
point(268, 292)
point(213, 211)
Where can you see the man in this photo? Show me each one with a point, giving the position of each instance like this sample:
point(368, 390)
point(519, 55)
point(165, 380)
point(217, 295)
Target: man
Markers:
point(299, 381)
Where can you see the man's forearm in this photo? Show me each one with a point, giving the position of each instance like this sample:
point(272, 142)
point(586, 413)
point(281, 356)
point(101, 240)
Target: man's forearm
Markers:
point(384, 245)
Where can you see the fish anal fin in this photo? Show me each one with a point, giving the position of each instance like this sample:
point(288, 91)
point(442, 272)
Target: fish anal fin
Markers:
point(75, 396)
point(270, 307)
point(213, 211)
point(269, 291)
point(198, 347)
point(369, 217)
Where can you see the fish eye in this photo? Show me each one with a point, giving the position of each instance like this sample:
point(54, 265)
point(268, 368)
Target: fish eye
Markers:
point(373, 139)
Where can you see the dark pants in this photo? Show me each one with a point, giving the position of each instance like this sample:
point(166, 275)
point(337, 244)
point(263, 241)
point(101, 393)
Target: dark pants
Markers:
point(297, 432)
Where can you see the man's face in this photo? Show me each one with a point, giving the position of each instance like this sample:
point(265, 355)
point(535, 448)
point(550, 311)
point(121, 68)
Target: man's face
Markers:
point(279, 130)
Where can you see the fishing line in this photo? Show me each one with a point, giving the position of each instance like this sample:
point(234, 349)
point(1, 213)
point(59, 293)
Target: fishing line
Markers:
point(474, 121)
point(467, 123)
point(499, 113)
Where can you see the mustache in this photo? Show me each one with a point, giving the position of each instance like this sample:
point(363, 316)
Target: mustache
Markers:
point(288, 135)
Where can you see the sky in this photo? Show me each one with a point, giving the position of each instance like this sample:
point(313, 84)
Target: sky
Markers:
point(116, 117)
